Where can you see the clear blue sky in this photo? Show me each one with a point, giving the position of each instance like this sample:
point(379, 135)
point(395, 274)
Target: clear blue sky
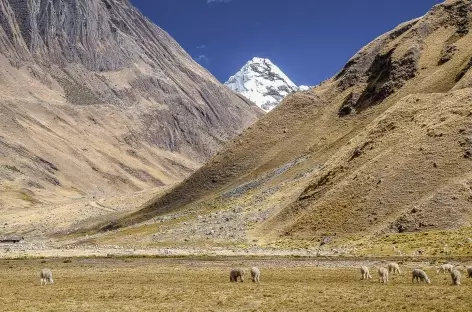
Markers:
point(309, 40)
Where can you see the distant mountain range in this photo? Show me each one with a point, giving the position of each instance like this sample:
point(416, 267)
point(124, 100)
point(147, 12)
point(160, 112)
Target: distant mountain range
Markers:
point(262, 82)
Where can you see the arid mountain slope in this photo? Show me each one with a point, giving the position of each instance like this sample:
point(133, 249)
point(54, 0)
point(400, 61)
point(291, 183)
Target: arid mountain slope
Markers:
point(94, 98)
point(384, 146)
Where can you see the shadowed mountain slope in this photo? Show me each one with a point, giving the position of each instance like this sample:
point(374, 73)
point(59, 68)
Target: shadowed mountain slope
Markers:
point(97, 99)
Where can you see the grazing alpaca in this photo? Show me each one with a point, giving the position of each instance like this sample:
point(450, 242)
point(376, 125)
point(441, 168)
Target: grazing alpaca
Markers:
point(235, 273)
point(420, 275)
point(46, 276)
point(394, 268)
point(365, 273)
point(456, 277)
point(383, 275)
point(255, 274)
point(444, 268)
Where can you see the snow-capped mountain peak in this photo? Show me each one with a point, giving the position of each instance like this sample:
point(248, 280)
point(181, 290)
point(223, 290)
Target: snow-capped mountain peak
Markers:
point(304, 88)
point(262, 82)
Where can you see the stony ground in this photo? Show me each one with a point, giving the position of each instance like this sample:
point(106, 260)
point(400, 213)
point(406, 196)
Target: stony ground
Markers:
point(130, 284)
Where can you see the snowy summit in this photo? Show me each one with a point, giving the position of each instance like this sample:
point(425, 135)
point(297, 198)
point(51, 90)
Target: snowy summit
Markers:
point(262, 82)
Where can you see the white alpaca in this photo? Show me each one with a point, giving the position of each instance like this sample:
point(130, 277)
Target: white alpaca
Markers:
point(46, 276)
point(456, 277)
point(444, 268)
point(420, 275)
point(394, 268)
point(255, 274)
point(365, 273)
point(383, 275)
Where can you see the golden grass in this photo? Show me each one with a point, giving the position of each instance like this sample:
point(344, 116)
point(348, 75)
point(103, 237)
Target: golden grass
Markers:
point(191, 285)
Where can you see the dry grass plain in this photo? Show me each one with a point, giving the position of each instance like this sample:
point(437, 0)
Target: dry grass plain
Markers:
point(202, 285)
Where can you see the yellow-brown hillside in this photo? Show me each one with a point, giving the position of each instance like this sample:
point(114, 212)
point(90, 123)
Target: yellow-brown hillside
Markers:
point(384, 146)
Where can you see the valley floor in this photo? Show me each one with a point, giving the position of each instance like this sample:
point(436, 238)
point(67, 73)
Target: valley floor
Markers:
point(202, 284)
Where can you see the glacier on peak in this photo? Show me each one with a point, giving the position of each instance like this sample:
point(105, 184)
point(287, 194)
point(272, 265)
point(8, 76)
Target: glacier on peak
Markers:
point(262, 82)
point(304, 88)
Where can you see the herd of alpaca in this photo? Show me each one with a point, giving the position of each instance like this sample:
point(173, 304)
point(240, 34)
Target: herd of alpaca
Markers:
point(418, 275)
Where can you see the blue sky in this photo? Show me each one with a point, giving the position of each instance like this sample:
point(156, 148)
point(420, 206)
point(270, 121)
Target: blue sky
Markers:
point(309, 40)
